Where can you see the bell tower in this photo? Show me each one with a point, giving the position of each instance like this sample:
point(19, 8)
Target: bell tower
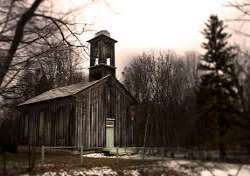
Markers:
point(102, 56)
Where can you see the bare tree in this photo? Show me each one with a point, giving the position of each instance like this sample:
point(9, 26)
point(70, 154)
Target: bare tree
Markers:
point(164, 85)
point(59, 67)
point(26, 29)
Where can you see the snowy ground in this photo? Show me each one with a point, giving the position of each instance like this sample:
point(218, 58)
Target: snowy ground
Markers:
point(163, 167)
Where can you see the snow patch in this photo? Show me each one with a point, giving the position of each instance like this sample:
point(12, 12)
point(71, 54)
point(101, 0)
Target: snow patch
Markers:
point(96, 155)
point(200, 168)
point(220, 72)
point(100, 171)
point(131, 172)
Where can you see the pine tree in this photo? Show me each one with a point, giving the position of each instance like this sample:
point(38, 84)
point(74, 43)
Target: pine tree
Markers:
point(218, 93)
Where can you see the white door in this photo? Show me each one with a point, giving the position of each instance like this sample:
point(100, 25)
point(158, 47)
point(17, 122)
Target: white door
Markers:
point(109, 137)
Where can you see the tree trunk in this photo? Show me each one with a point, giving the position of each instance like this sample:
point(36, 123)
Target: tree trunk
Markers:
point(4, 162)
point(222, 149)
point(18, 36)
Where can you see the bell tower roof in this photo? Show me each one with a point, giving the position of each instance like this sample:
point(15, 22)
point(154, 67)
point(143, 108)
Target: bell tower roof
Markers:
point(100, 35)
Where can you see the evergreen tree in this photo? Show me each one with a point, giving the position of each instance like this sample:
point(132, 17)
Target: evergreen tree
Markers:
point(218, 94)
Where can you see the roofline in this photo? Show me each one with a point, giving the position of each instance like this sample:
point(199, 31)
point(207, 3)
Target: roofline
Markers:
point(126, 90)
point(89, 41)
point(22, 104)
point(103, 78)
point(100, 80)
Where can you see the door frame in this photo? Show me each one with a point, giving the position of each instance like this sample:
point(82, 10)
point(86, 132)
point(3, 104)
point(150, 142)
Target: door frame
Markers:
point(110, 123)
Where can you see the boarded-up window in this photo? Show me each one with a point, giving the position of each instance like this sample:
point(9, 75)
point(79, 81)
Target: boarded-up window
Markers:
point(61, 122)
point(41, 124)
point(26, 125)
point(108, 103)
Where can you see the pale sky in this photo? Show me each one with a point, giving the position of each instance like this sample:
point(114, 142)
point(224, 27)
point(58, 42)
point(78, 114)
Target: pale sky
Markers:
point(141, 25)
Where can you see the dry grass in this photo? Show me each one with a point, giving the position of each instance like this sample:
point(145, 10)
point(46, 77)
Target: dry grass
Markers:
point(56, 161)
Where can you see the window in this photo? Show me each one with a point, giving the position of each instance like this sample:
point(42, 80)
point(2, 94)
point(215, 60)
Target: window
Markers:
point(26, 127)
point(41, 124)
point(60, 122)
point(96, 61)
point(108, 61)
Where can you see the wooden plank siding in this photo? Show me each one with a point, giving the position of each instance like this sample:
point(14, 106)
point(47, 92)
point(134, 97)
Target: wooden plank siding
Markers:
point(79, 119)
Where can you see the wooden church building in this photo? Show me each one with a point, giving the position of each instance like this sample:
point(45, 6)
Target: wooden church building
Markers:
point(98, 113)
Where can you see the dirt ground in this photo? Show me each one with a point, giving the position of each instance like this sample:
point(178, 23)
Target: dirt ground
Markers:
point(18, 164)
point(68, 164)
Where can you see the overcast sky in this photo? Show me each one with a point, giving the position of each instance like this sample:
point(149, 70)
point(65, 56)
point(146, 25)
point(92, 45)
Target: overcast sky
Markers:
point(141, 25)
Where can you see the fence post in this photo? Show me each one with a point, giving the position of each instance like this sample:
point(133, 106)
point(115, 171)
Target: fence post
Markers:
point(143, 154)
point(117, 153)
point(42, 154)
point(162, 153)
point(81, 153)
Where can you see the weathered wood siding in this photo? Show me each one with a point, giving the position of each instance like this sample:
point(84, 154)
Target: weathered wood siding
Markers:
point(120, 107)
point(90, 117)
point(48, 123)
point(80, 119)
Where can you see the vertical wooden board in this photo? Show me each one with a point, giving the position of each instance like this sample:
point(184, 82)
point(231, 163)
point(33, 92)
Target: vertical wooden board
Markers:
point(53, 128)
point(66, 128)
point(94, 119)
point(80, 124)
point(35, 129)
point(97, 122)
point(124, 122)
point(63, 118)
point(114, 106)
point(75, 129)
point(35, 136)
point(77, 125)
point(85, 121)
point(45, 136)
point(56, 127)
point(100, 117)
point(48, 120)
point(103, 114)
point(97, 118)
point(31, 116)
point(123, 138)
point(89, 118)
point(119, 122)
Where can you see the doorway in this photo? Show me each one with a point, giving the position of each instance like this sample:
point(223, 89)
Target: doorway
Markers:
point(110, 133)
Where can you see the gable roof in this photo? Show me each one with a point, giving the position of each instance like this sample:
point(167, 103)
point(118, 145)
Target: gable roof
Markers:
point(70, 90)
point(61, 92)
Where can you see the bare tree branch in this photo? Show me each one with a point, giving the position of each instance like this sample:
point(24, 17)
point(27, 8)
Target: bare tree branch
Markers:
point(17, 38)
